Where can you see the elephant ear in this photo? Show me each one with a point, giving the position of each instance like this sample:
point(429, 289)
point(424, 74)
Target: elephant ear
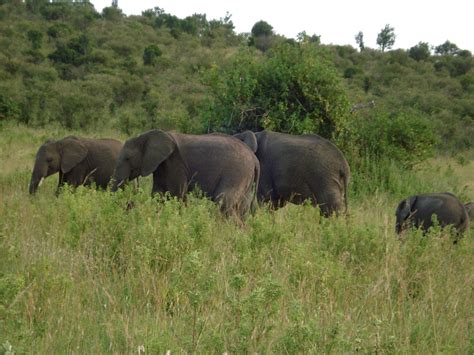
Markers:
point(470, 210)
point(73, 151)
point(405, 208)
point(249, 138)
point(157, 148)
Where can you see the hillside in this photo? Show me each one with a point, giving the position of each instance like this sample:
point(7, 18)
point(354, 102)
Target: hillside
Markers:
point(65, 63)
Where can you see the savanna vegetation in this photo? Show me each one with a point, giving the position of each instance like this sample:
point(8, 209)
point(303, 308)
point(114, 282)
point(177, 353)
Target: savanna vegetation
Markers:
point(95, 272)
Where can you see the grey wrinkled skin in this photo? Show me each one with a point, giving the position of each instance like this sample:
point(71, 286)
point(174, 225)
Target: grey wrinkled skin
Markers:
point(298, 168)
point(470, 210)
point(79, 161)
point(223, 167)
point(418, 211)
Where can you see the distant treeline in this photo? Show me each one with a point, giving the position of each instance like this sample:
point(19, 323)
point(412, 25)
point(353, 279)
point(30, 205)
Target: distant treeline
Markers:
point(65, 63)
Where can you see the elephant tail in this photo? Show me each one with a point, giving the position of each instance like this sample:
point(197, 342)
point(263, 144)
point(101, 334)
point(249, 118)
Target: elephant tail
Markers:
point(256, 179)
point(345, 176)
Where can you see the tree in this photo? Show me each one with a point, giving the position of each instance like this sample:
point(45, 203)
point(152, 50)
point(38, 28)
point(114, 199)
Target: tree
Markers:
point(420, 52)
point(262, 28)
point(447, 48)
point(170, 21)
point(112, 13)
point(303, 37)
point(262, 36)
point(360, 40)
point(386, 38)
point(155, 12)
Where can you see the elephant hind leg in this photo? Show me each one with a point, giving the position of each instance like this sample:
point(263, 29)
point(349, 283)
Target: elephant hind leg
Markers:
point(247, 203)
point(223, 197)
point(229, 205)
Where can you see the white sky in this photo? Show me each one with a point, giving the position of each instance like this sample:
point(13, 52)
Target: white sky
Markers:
point(336, 21)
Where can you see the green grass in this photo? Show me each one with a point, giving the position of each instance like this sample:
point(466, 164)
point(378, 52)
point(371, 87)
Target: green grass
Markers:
point(82, 273)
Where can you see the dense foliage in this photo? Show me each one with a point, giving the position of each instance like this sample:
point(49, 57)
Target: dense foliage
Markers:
point(295, 89)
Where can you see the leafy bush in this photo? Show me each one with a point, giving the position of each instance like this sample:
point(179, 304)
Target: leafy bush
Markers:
point(35, 37)
point(56, 10)
point(112, 13)
point(131, 121)
point(81, 104)
point(295, 89)
point(58, 30)
point(9, 109)
point(406, 137)
point(420, 52)
point(73, 53)
point(151, 54)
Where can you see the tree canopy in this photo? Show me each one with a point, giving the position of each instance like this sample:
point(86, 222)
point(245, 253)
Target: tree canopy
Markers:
point(386, 38)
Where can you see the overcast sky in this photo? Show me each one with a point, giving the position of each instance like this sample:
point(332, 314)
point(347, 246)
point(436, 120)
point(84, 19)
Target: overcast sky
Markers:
point(336, 21)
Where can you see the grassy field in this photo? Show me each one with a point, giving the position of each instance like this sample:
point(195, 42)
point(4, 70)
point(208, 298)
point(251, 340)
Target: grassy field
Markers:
point(81, 273)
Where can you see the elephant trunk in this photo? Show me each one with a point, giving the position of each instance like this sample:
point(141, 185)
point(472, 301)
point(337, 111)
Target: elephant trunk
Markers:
point(120, 177)
point(398, 227)
point(37, 178)
point(116, 184)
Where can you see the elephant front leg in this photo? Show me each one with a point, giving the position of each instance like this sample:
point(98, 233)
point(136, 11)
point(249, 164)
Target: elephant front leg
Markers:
point(159, 187)
point(60, 183)
point(163, 182)
point(73, 179)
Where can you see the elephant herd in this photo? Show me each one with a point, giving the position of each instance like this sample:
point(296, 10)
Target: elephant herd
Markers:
point(233, 171)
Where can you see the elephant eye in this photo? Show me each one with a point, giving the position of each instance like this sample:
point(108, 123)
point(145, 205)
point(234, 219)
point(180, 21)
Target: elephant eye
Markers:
point(49, 159)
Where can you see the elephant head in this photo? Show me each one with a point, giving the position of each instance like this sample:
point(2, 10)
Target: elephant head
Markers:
point(249, 138)
point(420, 211)
point(56, 156)
point(404, 212)
point(142, 155)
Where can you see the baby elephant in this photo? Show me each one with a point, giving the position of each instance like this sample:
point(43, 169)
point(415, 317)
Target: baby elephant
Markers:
point(79, 161)
point(418, 210)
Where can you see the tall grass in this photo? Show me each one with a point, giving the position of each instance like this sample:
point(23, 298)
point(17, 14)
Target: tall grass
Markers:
point(91, 271)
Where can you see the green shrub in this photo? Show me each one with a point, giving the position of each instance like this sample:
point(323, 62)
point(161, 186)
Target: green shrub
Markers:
point(406, 137)
point(56, 10)
point(151, 54)
point(9, 109)
point(58, 30)
point(132, 121)
point(294, 90)
point(75, 52)
point(35, 37)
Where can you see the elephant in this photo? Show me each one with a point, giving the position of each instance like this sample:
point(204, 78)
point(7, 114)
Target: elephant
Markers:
point(470, 210)
point(298, 168)
point(79, 161)
point(418, 211)
point(223, 167)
